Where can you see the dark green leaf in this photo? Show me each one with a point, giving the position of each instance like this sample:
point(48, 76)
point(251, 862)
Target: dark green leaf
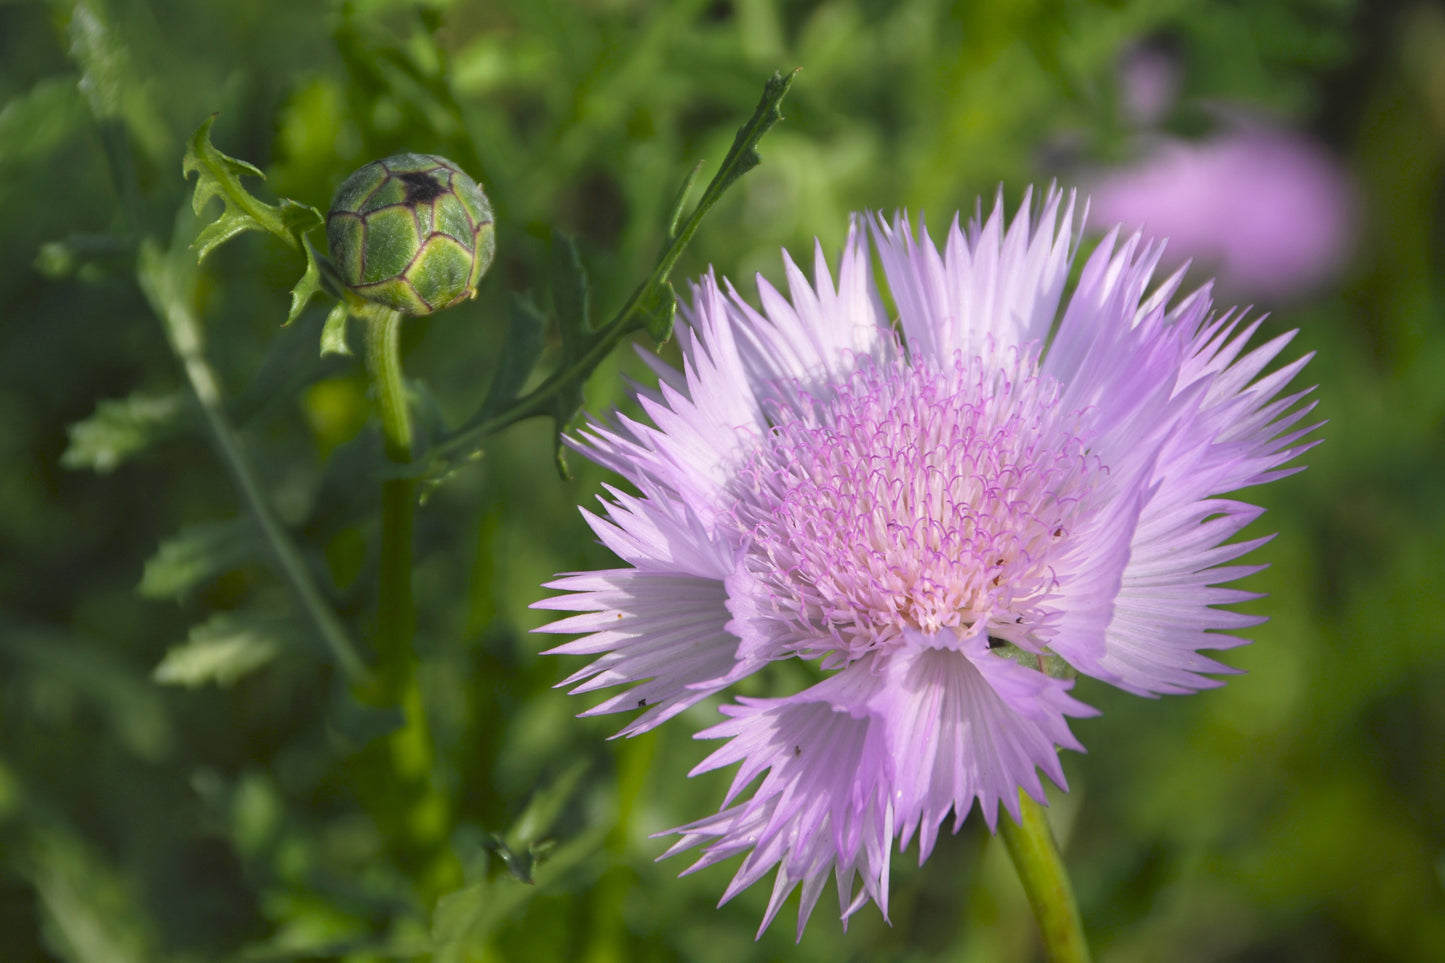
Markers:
point(199, 553)
point(570, 296)
point(526, 336)
point(122, 428)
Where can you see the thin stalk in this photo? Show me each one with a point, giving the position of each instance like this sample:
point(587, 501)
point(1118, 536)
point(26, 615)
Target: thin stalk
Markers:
point(183, 331)
point(424, 813)
point(1036, 857)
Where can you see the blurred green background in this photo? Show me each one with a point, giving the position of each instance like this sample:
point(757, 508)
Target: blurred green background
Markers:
point(214, 813)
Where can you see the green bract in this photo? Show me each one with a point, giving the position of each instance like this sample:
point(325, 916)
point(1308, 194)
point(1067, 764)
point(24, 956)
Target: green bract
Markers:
point(412, 232)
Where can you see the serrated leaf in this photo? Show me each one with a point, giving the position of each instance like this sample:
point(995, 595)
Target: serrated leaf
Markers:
point(223, 649)
point(219, 175)
point(123, 428)
point(197, 554)
point(333, 334)
point(743, 155)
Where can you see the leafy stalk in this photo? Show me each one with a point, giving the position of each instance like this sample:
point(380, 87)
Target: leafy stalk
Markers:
point(651, 306)
point(163, 280)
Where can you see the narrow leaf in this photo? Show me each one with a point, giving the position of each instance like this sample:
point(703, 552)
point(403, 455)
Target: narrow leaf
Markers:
point(570, 297)
point(123, 428)
point(199, 553)
point(674, 216)
point(221, 650)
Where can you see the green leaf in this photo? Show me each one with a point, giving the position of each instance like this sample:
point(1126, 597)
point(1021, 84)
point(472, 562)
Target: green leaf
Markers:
point(546, 806)
point(199, 553)
point(659, 309)
point(564, 409)
point(219, 175)
point(223, 649)
point(653, 304)
point(743, 155)
point(464, 918)
point(123, 428)
point(526, 337)
point(570, 295)
point(333, 335)
point(92, 912)
point(37, 123)
point(90, 670)
point(310, 283)
point(674, 217)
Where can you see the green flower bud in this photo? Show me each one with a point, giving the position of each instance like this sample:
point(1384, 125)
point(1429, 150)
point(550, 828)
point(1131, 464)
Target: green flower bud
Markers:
point(412, 232)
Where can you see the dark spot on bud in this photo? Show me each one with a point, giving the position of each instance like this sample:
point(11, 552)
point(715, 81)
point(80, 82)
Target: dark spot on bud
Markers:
point(421, 188)
point(1058, 533)
point(641, 703)
point(797, 750)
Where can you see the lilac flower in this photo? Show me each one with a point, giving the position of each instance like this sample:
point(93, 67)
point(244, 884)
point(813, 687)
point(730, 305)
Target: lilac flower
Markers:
point(931, 515)
point(1268, 209)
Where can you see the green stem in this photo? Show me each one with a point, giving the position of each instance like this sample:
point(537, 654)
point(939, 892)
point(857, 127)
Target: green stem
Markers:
point(1036, 857)
point(159, 281)
point(422, 812)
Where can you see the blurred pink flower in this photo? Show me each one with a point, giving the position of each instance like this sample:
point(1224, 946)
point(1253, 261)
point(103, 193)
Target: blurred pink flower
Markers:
point(1267, 210)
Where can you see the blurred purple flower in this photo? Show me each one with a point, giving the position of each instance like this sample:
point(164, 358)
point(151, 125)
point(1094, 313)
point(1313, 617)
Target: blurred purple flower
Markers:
point(934, 515)
point(1268, 210)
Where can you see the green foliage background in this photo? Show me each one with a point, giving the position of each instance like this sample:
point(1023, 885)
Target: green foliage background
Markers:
point(215, 808)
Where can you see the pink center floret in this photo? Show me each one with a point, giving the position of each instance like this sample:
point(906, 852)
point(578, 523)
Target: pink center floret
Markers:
point(915, 498)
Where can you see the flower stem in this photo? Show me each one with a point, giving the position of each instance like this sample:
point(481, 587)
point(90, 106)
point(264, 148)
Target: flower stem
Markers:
point(1035, 856)
point(419, 811)
point(167, 286)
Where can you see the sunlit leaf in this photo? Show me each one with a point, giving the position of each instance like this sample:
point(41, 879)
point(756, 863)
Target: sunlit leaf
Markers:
point(219, 175)
point(125, 427)
point(92, 912)
point(333, 334)
point(199, 553)
point(223, 649)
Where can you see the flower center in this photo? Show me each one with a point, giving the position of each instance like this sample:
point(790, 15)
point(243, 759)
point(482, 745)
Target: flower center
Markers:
point(912, 498)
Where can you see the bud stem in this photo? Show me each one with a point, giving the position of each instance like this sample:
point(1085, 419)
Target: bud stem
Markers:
point(383, 363)
point(425, 812)
point(1036, 857)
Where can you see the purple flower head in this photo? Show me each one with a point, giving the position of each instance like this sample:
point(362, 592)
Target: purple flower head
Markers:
point(932, 514)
